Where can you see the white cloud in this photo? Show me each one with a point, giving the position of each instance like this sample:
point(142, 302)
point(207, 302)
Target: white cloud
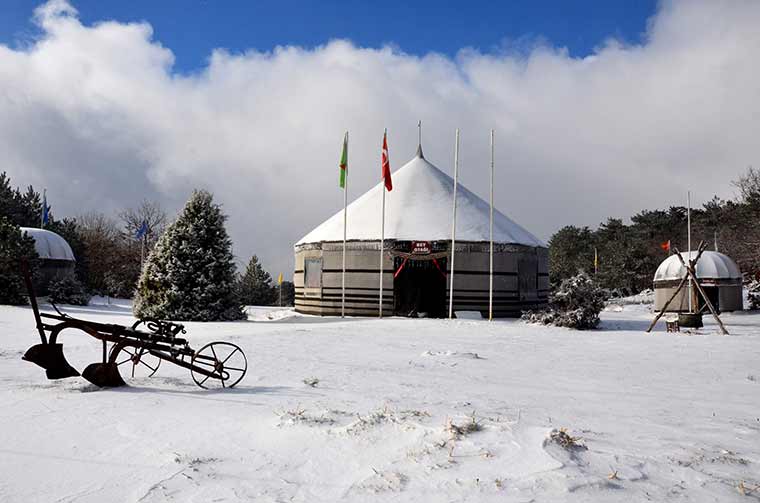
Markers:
point(97, 115)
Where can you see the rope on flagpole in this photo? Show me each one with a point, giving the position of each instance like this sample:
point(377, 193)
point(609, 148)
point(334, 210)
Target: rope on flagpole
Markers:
point(454, 226)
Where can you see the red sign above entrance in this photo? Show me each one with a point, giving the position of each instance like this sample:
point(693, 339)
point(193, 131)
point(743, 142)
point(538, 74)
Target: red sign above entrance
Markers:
point(421, 247)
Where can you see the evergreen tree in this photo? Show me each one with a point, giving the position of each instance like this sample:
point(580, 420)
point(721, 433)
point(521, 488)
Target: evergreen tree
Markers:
point(14, 246)
point(190, 273)
point(288, 293)
point(255, 286)
point(571, 250)
point(22, 209)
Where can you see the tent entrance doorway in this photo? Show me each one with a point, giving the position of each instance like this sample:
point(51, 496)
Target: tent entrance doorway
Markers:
point(419, 288)
point(713, 293)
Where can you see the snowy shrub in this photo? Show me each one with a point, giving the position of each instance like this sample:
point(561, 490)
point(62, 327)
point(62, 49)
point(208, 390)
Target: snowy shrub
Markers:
point(575, 304)
point(753, 294)
point(68, 290)
point(190, 273)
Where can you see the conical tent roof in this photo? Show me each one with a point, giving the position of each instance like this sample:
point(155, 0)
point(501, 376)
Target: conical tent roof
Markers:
point(419, 208)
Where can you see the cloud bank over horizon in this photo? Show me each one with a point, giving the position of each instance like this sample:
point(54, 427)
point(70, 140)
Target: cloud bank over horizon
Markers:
point(96, 114)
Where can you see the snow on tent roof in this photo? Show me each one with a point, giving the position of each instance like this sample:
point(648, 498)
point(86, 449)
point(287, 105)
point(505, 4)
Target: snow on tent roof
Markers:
point(49, 245)
point(711, 265)
point(419, 208)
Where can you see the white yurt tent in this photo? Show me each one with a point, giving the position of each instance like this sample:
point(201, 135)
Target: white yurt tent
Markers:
point(718, 274)
point(56, 258)
point(417, 246)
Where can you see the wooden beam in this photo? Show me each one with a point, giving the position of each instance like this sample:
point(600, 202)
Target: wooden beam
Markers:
point(690, 272)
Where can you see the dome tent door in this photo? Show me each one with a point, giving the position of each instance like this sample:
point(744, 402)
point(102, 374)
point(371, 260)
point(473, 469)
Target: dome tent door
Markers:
point(419, 288)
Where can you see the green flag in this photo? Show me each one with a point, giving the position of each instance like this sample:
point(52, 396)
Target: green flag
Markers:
point(344, 162)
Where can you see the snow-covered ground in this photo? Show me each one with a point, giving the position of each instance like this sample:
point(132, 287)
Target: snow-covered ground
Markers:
point(663, 417)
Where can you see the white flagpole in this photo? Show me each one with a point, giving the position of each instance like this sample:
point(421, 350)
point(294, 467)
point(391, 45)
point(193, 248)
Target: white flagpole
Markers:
point(345, 221)
point(490, 276)
point(688, 231)
point(382, 221)
point(454, 226)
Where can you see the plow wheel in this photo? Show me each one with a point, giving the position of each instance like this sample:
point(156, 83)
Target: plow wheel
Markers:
point(223, 364)
point(134, 362)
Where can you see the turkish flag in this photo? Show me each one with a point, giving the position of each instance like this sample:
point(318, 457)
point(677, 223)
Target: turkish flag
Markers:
point(386, 165)
point(666, 246)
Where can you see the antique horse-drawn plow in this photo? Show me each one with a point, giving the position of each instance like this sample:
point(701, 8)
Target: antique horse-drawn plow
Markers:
point(139, 349)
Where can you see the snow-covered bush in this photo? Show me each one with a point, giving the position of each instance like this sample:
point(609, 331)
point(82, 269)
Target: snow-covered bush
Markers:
point(68, 290)
point(190, 273)
point(575, 304)
point(753, 294)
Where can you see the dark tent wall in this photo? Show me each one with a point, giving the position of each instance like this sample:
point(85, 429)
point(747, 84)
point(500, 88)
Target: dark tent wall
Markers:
point(521, 278)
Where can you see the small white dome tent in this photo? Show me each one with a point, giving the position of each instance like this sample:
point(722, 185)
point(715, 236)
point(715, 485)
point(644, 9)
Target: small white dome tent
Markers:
point(718, 274)
point(56, 258)
point(417, 244)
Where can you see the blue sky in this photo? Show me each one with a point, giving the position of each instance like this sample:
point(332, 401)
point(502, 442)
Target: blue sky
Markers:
point(192, 28)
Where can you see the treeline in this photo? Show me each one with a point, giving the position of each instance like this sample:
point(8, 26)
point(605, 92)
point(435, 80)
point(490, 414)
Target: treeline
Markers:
point(109, 250)
point(107, 253)
point(628, 254)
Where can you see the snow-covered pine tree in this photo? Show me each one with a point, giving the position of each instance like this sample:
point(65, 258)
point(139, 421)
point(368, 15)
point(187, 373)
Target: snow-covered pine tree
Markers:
point(753, 294)
point(575, 304)
point(255, 285)
point(190, 273)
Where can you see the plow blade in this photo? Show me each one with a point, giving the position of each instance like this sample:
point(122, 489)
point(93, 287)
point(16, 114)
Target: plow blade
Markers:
point(50, 357)
point(105, 375)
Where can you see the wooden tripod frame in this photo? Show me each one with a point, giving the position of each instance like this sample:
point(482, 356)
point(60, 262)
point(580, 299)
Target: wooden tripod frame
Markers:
point(690, 273)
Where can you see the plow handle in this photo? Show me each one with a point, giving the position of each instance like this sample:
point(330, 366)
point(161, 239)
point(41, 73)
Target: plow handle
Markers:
point(32, 298)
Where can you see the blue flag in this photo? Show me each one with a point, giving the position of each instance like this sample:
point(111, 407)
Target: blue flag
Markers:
point(142, 231)
point(45, 209)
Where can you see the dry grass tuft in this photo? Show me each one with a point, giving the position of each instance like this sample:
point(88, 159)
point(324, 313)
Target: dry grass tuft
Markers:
point(461, 430)
point(746, 490)
point(300, 416)
point(564, 440)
